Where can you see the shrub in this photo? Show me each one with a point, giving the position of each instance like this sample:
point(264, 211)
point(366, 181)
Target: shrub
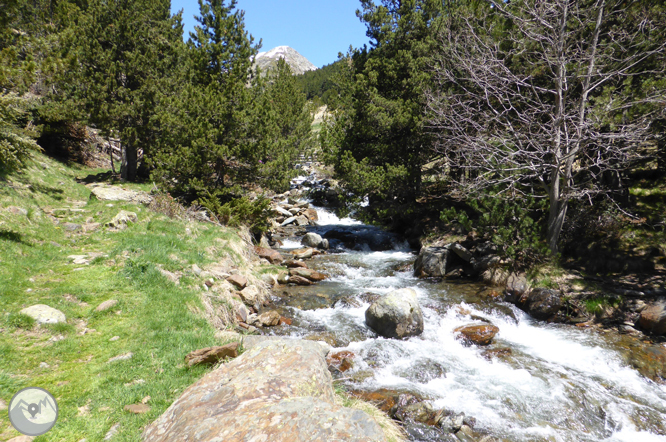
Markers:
point(165, 204)
point(239, 211)
point(513, 225)
point(15, 145)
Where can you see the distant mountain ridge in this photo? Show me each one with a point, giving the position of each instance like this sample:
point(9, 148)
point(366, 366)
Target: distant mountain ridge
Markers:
point(297, 63)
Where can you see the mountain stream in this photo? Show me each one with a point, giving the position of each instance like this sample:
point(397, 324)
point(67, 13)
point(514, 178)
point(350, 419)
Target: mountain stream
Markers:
point(557, 382)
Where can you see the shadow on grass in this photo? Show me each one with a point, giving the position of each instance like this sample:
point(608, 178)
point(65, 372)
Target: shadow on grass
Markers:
point(53, 192)
point(102, 177)
point(8, 235)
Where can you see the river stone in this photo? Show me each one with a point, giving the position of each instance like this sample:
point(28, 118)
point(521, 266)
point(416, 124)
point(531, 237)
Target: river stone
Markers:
point(432, 261)
point(653, 318)
point(516, 286)
point(299, 280)
point(249, 295)
point(478, 334)
point(288, 221)
point(312, 239)
point(302, 220)
point(278, 390)
point(282, 211)
point(294, 264)
point(303, 253)
point(312, 214)
point(43, 314)
point(541, 303)
point(396, 315)
point(312, 275)
point(273, 256)
point(269, 319)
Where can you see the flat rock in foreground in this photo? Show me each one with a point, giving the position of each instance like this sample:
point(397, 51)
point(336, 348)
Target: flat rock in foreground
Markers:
point(279, 390)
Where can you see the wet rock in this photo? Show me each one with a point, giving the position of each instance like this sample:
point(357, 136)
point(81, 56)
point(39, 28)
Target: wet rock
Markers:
point(312, 214)
point(411, 408)
point(299, 280)
point(396, 315)
point(347, 302)
point(212, 355)
point(313, 240)
point(496, 353)
point(425, 433)
point(269, 319)
point(294, 264)
point(477, 334)
point(303, 253)
point(541, 303)
point(312, 275)
point(423, 371)
point(43, 314)
point(451, 423)
point(122, 220)
point(283, 278)
point(273, 256)
point(653, 318)
point(287, 380)
point(432, 261)
point(239, 281)
point(516, 286)
point(104, 306)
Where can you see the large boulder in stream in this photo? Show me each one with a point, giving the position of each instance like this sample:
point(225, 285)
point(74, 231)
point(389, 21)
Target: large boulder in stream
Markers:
point(541, 303)
point(278, 390)
point(314, 240)
point(653, 318)
point(432, 261)
point(396, 315)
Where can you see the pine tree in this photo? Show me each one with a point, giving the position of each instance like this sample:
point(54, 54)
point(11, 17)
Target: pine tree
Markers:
point(123, 48)
point(382, 144)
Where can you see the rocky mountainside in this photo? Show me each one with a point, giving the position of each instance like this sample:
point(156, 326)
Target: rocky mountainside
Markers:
point(298, 63)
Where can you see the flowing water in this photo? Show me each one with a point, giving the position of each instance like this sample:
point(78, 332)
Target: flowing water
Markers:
point(559, 382)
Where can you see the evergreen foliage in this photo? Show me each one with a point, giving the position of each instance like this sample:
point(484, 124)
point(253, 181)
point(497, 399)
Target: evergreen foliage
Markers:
point(319, 86)
point(123, 50)
point(378, 144)
point(15, 144)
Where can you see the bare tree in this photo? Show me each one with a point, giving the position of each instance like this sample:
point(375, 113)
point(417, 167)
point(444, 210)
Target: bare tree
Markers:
point(540, 91)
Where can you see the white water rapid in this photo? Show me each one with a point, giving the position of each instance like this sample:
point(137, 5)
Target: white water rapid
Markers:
point(559, 382)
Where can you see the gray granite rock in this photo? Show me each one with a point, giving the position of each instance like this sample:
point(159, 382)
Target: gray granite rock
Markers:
point(278, 390)
point(43, 314)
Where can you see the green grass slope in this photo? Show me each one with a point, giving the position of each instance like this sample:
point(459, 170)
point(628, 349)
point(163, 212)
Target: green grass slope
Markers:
point(155, 319)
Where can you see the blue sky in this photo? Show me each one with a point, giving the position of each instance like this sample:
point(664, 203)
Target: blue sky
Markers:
point(318, 29)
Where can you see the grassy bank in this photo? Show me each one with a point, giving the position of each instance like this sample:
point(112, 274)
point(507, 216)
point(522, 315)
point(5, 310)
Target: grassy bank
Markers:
point(154, 318)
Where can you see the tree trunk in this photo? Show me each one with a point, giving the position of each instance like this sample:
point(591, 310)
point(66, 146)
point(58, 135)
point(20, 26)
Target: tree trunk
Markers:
point(558, 212)
point(129, 160)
